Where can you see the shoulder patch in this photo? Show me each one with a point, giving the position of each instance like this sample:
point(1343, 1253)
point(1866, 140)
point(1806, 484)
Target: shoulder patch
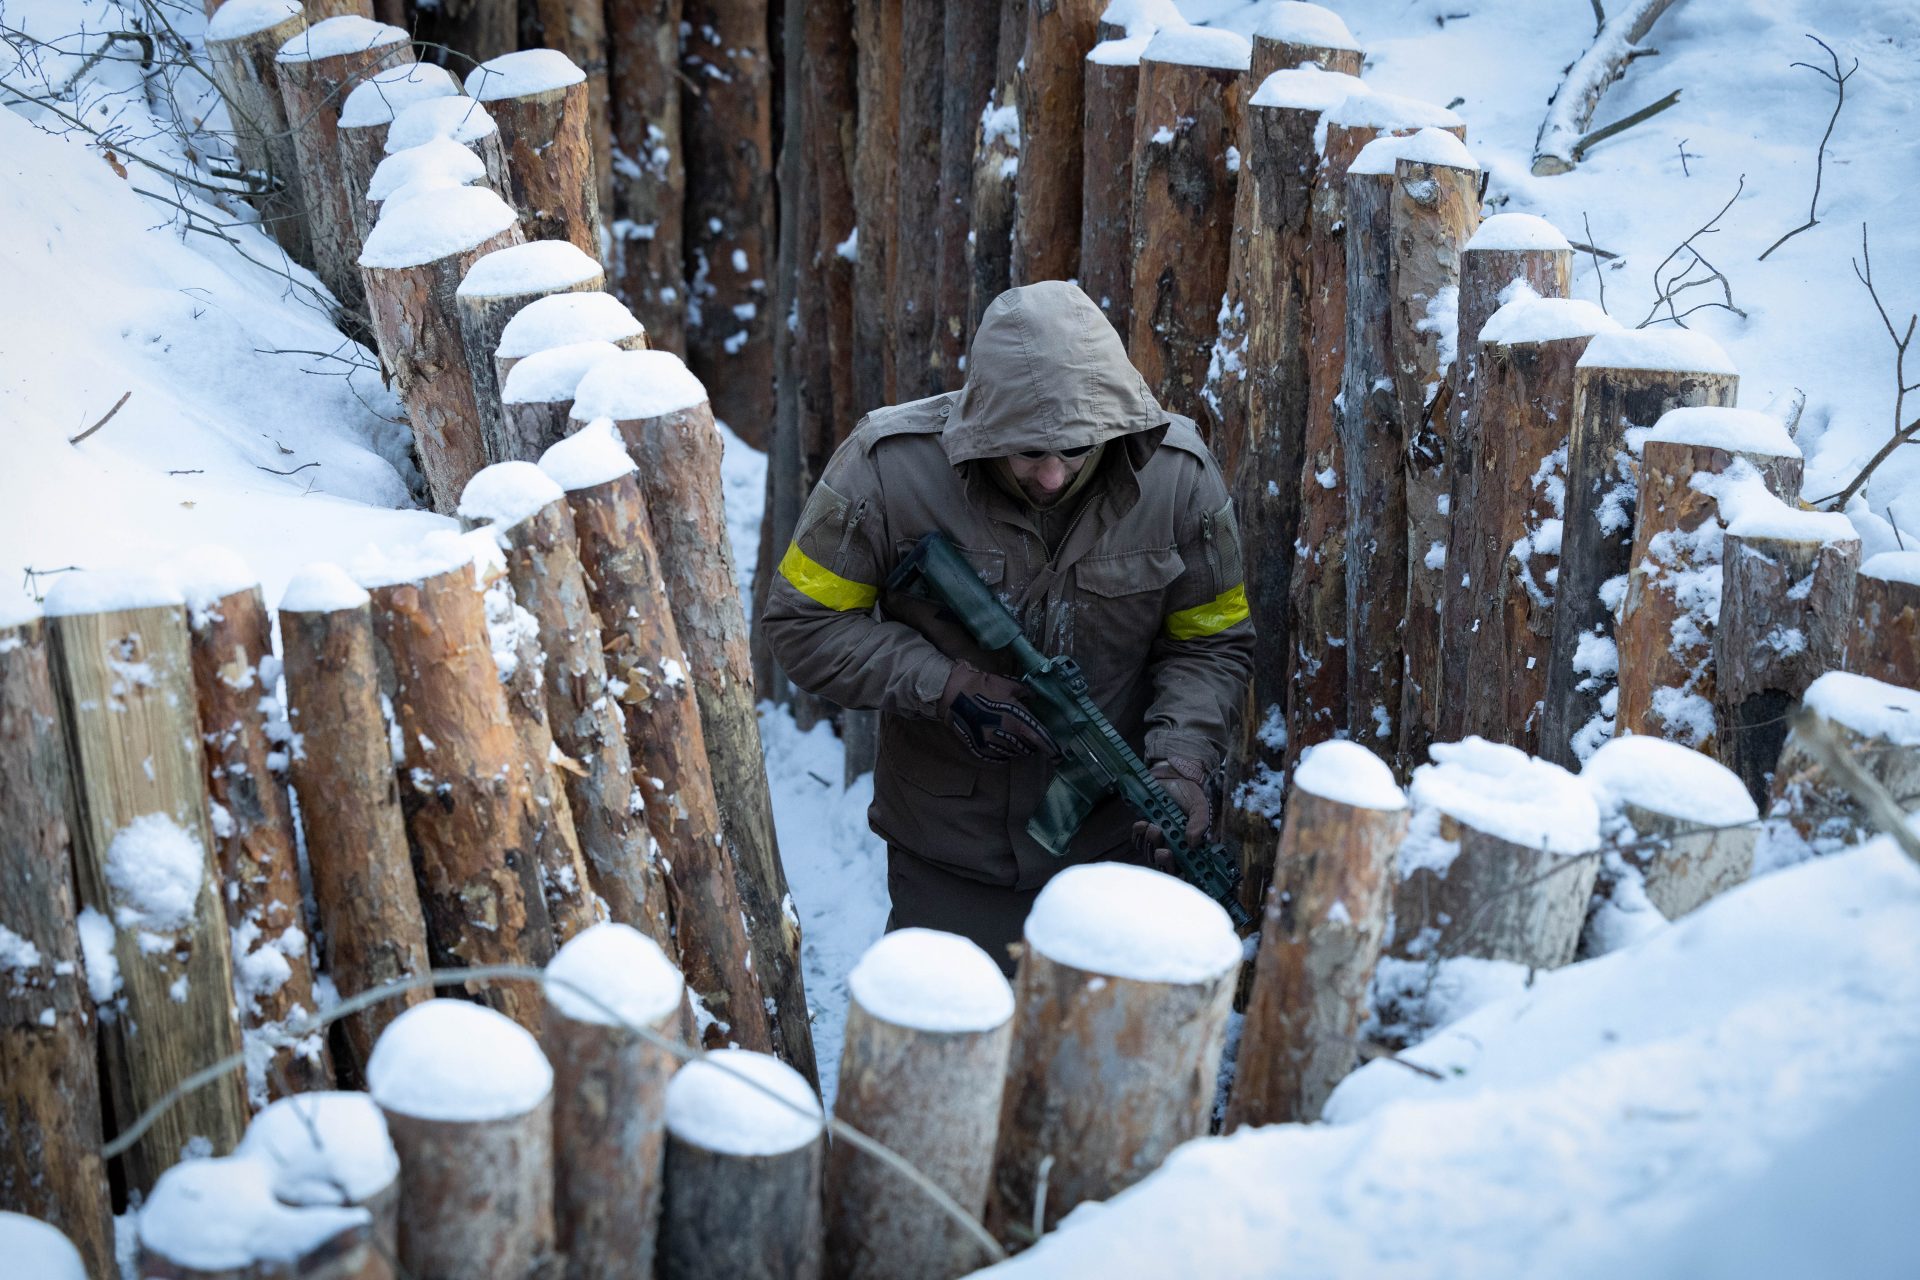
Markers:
point(916, 417)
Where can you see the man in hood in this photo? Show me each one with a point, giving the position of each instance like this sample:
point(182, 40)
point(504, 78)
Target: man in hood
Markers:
point(1101, 520)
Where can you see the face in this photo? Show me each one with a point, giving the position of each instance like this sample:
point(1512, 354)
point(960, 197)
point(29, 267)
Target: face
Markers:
point(1044, 478)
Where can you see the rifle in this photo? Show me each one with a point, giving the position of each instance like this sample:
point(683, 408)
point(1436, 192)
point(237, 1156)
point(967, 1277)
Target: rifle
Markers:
point(1095, 761)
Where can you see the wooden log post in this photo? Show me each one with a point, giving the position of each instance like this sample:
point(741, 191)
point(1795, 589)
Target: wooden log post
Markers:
point(1186, 120)
point(143, 860)
point(742, 1171)
point(1786, 604)
point(829, 126)
point(1116, 1037)
point(468, 1098)
point(649, 170)
point(1046, 218)
point(1320, 936)
point(610, 1095)
point(242, 40)
point(491, 293)
point(1665, 630)
point(996, 169)
point(413, 261)
point(646, 668)
point(29, 1241)
point(662, 413)
point(1508, 506)
point(350, 812)
point(1295, 35)
point(922, 1072)
point(476, 29)
point(537, 399)
point(315, 68)
point(469, 810)
point(436, 164)
point(218, 1220)
point(246, 736)
point(910, 298)
point(365, 118)
point(562, 320)
point(876, 37)
point(50, 1166)
point(1499, 860)
point(459, 119)
point(1625, 381)
point(1112, 92)
point(1682, 822)
point(1884, 642)
point(538, 99)
point(970, 47)
point(332, 1149)
point(1877, 725)
point(578, 28)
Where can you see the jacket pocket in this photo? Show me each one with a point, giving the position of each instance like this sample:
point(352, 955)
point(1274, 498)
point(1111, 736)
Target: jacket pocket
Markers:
point(1128, 573)
point(1118, 603)
point(991, 565)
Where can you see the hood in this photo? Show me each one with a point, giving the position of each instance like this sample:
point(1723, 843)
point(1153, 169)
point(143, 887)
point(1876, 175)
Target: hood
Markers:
point(1046, 371)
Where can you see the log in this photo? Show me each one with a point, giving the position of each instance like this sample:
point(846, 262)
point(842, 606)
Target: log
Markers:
point(536, 401)
point(578, 28)
point(996, 170)
point(314, 69)
point(539, 100)
point(1112, 91)
point(922, 1072)
point(1508, 507)
point(970, 50)
point(829, 127)
point(1046, 218)
point(469, 810)
point(1680, 820)
point(1878, 726)
point(645, 668)
point(1665, 631)
point(661, 412)
point(1499, 860)
point(468, 1098)
point(182, 1236)
point(458, 119)
point(476, 29)
point(649, 171)
point(356, 838)
point(246, 736)
point(50, 1166)
point(529, 516)
point(240, 53)
point(1884, 643)
point(610, 1096)
point(365, 118)
point(492, 292)
point(1786, 603)
point(727, 120)
point(434, 165)
point(143, 860)
point(332, 1149)
point(1319, 937)
point(1116, 1038)
point(561, 320)
point(876, 37)
point(1556, 148)
point(910, 300)
point(742, 1171)
point(1624, 382)
point(1186, 120)
point(1292, 35)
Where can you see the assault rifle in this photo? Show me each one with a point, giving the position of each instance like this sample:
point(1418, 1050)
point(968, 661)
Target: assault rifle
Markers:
point(1095, 761)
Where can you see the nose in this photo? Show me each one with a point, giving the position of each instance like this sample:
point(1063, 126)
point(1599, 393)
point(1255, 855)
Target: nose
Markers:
point(1053, 473)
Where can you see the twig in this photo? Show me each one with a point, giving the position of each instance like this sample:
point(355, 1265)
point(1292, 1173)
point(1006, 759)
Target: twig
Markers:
point(1593, 249)
point(1681, 281)
point(104, 421)
point(1685, 155)
point(1863, 271)
point(1599, 276)
point(1373, 1052)
point(1839, 80)
point(296, 471)
point(1621, 125)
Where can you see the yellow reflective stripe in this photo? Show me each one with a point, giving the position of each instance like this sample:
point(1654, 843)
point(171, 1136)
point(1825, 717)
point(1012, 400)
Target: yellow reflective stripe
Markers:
point(825, 587)
point(1211, 618)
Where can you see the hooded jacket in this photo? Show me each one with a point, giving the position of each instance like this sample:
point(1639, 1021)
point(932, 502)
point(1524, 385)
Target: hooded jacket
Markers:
point(1145, 590)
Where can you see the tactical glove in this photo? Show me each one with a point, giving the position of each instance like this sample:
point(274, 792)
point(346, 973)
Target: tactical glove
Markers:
point(1185, 782)
point(984, 712)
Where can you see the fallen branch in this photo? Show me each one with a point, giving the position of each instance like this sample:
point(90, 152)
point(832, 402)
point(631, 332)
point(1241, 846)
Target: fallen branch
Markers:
point(296, 471)
point(1839, 79)
point(1571, 113)
point(1863, 270)
point(1604, 132)
point(1679, 282)
point(103, 421)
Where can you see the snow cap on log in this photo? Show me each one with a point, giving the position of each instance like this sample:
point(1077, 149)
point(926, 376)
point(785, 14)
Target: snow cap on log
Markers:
point(438, 162)
point(612, 974)
point(507, 493)
point(1894, 566)
point(1348, 773)
point(1869, 707)
point(1131, 922)
point(1428, 146)
point(322, 587)
point(323, 1148)
point(459, 118)
point(1310, 25)
point(17, 611)
point(1518, 232)
point(1525, 316)
point(1751, 510)
point(927, 980)
point(39, 1248)
point(1375, 110)
point(237, 19)
point(1667, 778)
point(459, 1061)
point(1716, 427)
point(348, 33)
point(562, 319)
point(220, 1215)
point(1199, 47)
point(637, 384)
point(1306, 88)
point(382, 96)
point(441, 223)
point(516, 75)
point(553, 375)
point(1504, 792)
point(109, 591)
point(538, 266)
point(1662, 350)
point(714, 1104)
point(593, 455)
point(412, 562)
point(1119, 53)
point(1142, 17)
point(208, 574)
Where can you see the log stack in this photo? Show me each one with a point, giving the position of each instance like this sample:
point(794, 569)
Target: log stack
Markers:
point(536, 400)
point(367, 115)
point(495, 289)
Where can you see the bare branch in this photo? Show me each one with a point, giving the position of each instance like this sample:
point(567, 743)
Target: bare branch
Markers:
point(1668, 287)
point(1604, 132)
point(1839, 79)
point(104, 421)
point(1902, 434)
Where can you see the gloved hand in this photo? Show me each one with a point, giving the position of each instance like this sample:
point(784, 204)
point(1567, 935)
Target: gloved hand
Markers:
point(984, 711)
point(1186, 782)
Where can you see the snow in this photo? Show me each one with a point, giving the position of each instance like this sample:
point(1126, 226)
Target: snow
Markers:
point(1759, 514)
point(332, 37)
point(154, 873)
point(927, 980)
point(458, 119)
point(38, 1249)
point(1348, 773)
point(383, 95)
point(1894, 566)
point(1141, 17)
point(220, 1215)
point(553, 375)
point(635, 385)
point(1869, 707)
point(1374, 109)
point(1661, 350)
point(1199, 47)
point(388, 566)
point(1528, 317)
point(208, 574)
point(1667, 778)
point(562, 319)
point(435, 162)
point(721, 1103)
point(441, 223)
point(322, 587)
point(108, 591)
point(1427, 146)
point(538, 266)
point(612, 974)
point(506, 493)
point(1310, 25)
point(457, 1061)
point(1501, 791)
point(1513, 232)
point(1306, 88)
point(323, 1148)
point(1734, 430)
point(523, 74)
point(237, 19)
point(18, 955)
point(1123, 921)
point(593, 455)
point(1115, 53)
point(98, 955)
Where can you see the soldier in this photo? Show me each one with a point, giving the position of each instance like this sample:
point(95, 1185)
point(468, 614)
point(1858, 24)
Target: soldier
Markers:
point(1101, 520)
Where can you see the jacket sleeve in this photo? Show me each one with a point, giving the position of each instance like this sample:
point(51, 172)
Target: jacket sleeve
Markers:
point(821, 623)
point(1203, 657)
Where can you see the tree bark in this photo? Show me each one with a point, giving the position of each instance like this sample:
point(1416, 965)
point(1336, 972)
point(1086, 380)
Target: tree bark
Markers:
point(996, 170)
point(478, 29)
point(578, 28)
point(830, 112)
point(1820, 807)
point(485, 309)
point(1884, 643)
point(1682, 865)
point(876, 36)
point(551, 180)
point(970, 48)
point(734, 1217)
point(50, 1166)
point(1271, 55)
point(242, 68)
point(1046, 219)
point(1112, 91)
point(649, 169)
point(1573, 104)
point(476, 1197)
point(911, 300)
